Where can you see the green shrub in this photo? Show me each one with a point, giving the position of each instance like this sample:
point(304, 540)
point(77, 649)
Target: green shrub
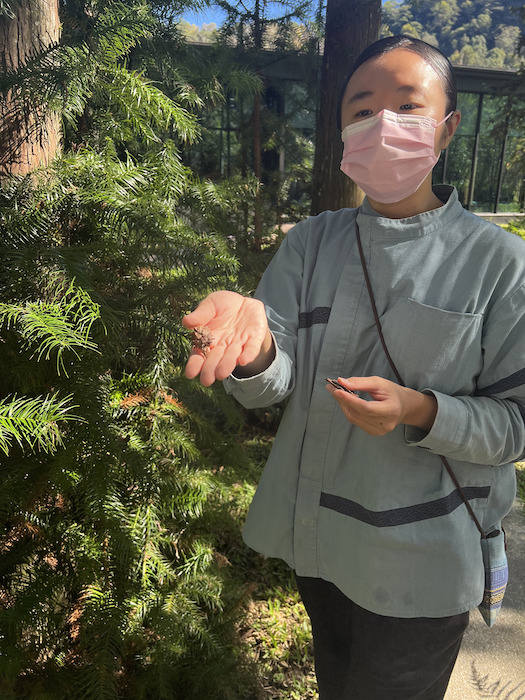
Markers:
point(517, 227)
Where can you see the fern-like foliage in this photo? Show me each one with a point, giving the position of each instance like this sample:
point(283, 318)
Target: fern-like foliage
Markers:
point(33, 422)
point(83, 79)
point(55, 326)
point(111, 583)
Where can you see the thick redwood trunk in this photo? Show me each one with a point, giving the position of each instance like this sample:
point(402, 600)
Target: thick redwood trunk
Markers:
point(27, 139)
point(350, 26)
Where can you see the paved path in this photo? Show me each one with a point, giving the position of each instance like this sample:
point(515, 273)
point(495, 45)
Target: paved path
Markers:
point(491, 663)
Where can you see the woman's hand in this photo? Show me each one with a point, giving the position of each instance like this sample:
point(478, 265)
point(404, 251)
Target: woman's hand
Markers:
point(240, 337)
point(391, 405)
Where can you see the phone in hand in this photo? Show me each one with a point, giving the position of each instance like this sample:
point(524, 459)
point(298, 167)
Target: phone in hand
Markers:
point(336, 385)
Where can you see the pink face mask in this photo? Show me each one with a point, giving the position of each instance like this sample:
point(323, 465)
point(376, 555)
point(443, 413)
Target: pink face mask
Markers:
point(389, 155)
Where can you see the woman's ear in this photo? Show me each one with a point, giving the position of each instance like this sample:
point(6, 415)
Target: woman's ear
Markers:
point(450, 128)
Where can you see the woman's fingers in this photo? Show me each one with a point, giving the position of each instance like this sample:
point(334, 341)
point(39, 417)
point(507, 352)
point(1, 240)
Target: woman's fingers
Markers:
point(237, 327)
point(376, 417)
point(229, 360)
point(202, 315)
point(224, 358)
point(252, 348)
point(209, 367)
point(194, 364)
point(218, 363)
point(216, 309)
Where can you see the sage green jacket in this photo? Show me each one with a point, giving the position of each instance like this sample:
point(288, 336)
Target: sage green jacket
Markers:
point(379, 516)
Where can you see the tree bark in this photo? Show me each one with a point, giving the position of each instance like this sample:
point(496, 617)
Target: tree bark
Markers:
point(351, 25)
point(257, 169)
point(28, 137)
point(257, 145)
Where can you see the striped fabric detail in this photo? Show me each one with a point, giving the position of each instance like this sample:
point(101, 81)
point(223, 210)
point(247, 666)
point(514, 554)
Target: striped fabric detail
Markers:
point(321, 314)
point(403, 516)
point(496, 575)
point(506, 384)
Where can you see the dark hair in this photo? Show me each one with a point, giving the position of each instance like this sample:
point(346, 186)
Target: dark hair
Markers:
point(429, 53)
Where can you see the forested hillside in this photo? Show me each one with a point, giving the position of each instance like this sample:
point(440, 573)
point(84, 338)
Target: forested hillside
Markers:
point(473, 32)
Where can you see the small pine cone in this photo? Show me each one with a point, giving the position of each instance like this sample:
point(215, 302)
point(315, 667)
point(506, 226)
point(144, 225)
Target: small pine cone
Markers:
point(202, 339)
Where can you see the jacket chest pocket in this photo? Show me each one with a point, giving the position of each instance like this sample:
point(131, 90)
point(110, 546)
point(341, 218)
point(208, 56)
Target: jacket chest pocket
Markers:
point(433, 348)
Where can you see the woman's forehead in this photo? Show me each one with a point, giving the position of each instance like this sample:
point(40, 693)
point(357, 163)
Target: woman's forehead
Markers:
point(397, 68)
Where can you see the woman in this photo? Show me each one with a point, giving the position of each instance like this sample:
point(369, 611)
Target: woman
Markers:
point(354, 496)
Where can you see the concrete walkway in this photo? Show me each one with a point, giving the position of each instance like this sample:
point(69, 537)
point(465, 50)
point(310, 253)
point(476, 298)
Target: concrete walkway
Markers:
point(491, 663)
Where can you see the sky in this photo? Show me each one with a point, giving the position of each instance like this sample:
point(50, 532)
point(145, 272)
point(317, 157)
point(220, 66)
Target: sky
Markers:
point(217, 16)
point(214, 15)
point(204, 17)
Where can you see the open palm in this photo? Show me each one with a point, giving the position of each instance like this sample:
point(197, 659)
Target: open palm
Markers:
point(238, 325)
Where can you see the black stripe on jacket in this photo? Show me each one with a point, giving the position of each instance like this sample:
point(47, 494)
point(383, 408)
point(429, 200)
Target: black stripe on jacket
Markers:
point(321, 314)
point(403, 516)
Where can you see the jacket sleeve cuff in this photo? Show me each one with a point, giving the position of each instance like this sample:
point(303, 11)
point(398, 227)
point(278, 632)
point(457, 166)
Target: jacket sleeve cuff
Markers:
point(265, 388)
point(449, 429)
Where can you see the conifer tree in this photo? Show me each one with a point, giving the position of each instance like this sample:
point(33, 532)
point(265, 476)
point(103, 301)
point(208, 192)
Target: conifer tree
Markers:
point(26, 139)
point(248, 26)
point(110, 580)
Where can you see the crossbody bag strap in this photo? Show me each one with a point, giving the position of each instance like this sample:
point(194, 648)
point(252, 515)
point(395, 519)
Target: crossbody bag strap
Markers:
point(400, 380)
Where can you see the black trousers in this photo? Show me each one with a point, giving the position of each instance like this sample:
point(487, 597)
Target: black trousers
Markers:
point(363, 656)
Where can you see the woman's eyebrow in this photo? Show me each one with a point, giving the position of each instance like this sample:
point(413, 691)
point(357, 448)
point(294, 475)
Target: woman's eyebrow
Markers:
point(369, 93)
point(360, 96)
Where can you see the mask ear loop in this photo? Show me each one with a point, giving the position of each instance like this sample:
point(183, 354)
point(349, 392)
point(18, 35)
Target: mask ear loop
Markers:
point(445, 119)
point(442, 122)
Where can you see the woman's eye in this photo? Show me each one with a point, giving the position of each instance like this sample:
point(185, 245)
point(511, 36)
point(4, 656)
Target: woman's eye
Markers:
point(364, 113)
point(409, 105)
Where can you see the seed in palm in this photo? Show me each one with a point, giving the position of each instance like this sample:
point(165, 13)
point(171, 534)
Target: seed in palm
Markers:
point(202, 339)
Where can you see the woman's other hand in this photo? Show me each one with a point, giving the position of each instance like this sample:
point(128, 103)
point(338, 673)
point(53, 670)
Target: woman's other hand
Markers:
point(240, 337)
point(391, 406)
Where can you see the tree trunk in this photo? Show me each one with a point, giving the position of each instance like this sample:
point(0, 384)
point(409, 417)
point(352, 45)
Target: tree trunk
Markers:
point(351, 25)
point(28, 138)
point(257, 169)
point(257, 145)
